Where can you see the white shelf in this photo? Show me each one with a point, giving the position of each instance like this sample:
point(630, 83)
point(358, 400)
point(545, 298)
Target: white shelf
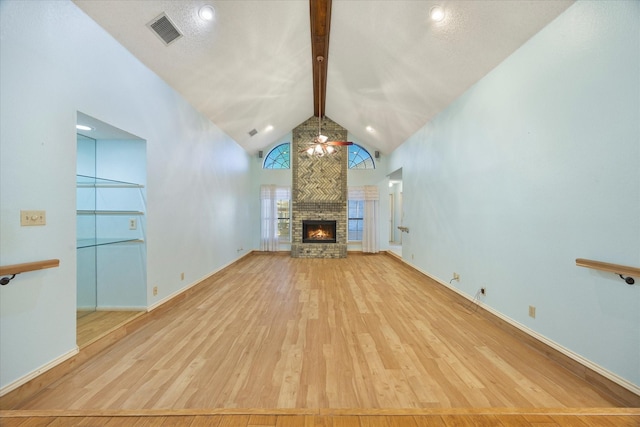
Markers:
point(90, 243)
point(97, 212)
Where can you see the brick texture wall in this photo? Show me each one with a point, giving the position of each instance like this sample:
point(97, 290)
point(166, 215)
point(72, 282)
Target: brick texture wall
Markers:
point(319, 189)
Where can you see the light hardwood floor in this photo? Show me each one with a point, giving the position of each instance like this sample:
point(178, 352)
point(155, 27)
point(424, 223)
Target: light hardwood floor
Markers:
point(277, 332)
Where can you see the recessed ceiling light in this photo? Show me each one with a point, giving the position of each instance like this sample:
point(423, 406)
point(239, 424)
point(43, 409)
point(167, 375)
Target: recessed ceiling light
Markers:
point(436, 13)
point(370, 129)
point(268, 128)
point(83, 127)
point(207, 12)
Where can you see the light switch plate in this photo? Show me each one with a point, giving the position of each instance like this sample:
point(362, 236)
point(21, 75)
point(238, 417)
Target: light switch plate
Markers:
point(28, 218)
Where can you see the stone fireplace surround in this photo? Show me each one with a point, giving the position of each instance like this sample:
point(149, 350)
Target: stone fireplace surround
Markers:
point(319, 190)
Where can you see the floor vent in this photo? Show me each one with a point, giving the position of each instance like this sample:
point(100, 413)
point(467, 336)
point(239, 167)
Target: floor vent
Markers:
point(165, 29)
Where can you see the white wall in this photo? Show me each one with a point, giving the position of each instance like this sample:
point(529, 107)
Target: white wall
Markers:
point(535, 166)
point(55, 61)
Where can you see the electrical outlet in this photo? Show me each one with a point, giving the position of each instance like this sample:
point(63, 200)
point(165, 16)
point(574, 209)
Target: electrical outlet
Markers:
point(532, 311)
point(155, 291)
point(456, 276)
point(483, 291)
point(181, 276)
point(133, 223)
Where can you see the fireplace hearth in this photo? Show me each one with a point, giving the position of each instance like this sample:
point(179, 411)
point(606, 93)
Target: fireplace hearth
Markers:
point(318, 231)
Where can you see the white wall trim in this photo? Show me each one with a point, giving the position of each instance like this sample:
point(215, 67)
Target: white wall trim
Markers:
point(585, 362)
point(191, 285)
point(41, 370)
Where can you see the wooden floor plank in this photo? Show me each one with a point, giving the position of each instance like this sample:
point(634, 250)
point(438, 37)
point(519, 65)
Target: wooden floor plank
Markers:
point(346, 421)
point(28, 422)
point(610, 421)
point(206, 421)
point(429, 421)
point(262, 420)
point(234, 421)
point(148, 422)
point(455, 418)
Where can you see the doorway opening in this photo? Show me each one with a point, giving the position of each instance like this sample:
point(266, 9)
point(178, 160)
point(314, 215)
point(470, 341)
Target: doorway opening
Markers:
point(396, 212)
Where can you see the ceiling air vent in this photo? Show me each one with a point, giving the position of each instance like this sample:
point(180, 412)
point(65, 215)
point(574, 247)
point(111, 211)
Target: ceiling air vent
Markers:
point(165, 29)
point(252, 132)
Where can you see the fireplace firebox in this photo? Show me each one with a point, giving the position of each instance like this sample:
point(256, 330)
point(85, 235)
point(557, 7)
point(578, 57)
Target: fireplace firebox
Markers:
point(318, 231)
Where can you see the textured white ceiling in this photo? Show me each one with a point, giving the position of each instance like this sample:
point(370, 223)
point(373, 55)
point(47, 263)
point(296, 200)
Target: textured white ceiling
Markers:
point(390, 67)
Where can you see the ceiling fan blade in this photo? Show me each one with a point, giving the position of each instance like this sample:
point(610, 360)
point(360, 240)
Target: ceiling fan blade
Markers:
point(339, 143)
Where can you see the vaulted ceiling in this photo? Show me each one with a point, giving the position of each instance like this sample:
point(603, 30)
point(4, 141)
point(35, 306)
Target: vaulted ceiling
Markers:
point(389, 67)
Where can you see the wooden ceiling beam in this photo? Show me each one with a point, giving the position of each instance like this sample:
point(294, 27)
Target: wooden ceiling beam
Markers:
point(320, 11)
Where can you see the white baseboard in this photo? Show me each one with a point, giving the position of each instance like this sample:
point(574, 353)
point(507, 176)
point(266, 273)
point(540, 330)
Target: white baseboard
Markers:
point(191, 285)
point(41, 370)
point(112, 308)
point(121, 308)
point(576, 357)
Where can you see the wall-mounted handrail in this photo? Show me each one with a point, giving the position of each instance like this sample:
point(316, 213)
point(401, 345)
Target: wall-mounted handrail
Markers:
point(611, 268)
point(23, 268)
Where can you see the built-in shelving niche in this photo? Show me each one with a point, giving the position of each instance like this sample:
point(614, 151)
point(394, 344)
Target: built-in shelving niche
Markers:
point(111, 224)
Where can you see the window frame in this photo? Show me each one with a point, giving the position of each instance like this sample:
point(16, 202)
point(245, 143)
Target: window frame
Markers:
point(277, 156)
point(288, 219)
point(353, 156)
point(360, 209)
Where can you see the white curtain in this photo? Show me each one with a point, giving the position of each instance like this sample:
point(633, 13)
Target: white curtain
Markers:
point(269, 196)
point(370, 195)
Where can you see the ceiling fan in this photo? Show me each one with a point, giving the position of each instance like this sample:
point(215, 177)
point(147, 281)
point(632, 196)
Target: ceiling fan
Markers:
point(321, 146)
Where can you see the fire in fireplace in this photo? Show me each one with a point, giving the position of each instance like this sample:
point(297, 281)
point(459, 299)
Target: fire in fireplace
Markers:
point(318, 231)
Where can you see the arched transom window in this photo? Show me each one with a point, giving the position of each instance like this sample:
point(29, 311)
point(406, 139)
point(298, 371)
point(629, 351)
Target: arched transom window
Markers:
point(278, 158)
point(359, 158)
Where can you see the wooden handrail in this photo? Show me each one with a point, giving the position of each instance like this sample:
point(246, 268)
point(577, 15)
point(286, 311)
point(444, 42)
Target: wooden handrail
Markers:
point(28, 266)
point(611, 268)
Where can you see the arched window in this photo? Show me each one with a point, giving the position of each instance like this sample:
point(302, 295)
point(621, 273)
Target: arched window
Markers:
point(359, 158)
point(278, 158)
